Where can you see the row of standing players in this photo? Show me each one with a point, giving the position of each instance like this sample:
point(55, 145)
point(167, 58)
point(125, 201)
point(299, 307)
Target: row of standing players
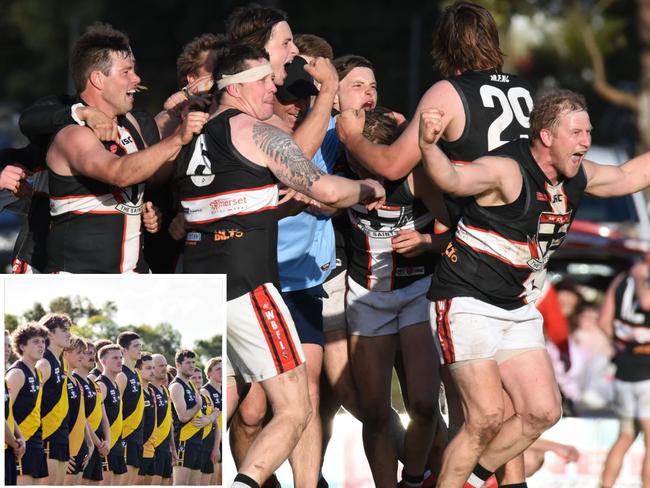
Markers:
point(119, 421)
point(466, 117)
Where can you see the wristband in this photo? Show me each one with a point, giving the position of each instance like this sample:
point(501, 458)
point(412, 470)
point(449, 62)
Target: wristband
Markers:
point(74, 116)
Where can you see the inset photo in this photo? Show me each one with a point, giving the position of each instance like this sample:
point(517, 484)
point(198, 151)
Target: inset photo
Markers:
point(113, 380)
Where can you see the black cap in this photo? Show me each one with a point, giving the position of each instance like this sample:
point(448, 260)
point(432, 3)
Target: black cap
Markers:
point(298, 84)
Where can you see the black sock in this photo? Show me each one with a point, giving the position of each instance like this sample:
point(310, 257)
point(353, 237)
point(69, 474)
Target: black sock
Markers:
point(516, 485)
point(412, 480)
point(479, 474)
point(246, 480)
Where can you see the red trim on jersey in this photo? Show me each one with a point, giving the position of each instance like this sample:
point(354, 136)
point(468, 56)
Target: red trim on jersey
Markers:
point(123, 245)
point(486, 231)
point(97, 212)
point(203, 197)
point(368, 281)
point(460, 163)
point(263, 209)
point(390, 207)
point(393, 269)
point(444, 331)
point(495, 256)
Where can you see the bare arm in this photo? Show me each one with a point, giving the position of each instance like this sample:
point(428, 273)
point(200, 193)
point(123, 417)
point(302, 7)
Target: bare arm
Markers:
point(639, 273)
point(310, 133)
point(606, 317)
point(287, 162)
point(9, 436)
point(15, 380)
point(178, 399)
point(77, 150)
point(398, 159)
point(431, 196)
point(214, 455)
point(121, 381)
point(44, 367)
point(611, 181)
point(106, 427)
point(494, 180)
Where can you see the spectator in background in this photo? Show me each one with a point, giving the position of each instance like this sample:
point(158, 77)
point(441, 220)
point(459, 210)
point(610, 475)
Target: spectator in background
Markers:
point(625, 317)
point(588, 340)
point(569, 296)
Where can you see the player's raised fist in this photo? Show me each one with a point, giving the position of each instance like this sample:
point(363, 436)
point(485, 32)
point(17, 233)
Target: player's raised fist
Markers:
point(430, 125)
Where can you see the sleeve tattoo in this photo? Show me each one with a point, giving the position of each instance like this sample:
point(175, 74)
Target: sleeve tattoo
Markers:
point(293, 167)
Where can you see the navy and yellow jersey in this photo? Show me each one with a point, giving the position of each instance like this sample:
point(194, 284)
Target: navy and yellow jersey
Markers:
point(185, 431)
point(207, 409)
point(92, 401)
point(132, 406)
point(163, 415)
point(54, 408)
point(217, 400)
point(113, 407)
point(76, 416)
point(96, 372)
point(9, 414)
point(27, 406)
point(149, 422)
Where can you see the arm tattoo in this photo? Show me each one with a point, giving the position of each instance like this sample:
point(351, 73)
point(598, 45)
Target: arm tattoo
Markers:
point(292, 166)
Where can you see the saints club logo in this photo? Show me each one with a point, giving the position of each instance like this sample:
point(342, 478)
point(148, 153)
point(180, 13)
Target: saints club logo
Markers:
point(383, 223)
point(551, 231)
point(129, 200)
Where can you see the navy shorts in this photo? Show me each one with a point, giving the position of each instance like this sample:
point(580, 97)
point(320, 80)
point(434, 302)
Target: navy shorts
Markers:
point(147, 468)
point(93, 469)
point(58, 451)
point(116, 459)
point(11, 476)
point(133, 453)
point(189, 454)
point(74, 467)
point(34, 462)
point(206, 465)
point(306, 308)
point(163, 461)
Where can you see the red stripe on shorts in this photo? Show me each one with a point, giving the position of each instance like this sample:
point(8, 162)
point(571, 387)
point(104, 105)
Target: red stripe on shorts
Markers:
point(274, 330)
point(285, 327)
point(444, 330)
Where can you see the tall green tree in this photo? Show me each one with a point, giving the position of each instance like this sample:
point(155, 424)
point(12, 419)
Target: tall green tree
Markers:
point(206, 349)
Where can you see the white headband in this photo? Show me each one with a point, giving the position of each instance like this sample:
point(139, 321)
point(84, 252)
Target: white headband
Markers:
point(251, 74)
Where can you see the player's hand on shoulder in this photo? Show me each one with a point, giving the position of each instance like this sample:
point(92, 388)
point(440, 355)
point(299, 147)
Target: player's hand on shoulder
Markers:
point(430, 126)
point(104, 127)
point(192, 124)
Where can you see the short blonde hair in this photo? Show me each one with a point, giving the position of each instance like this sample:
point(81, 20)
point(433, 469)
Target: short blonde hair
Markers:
point(211, 364)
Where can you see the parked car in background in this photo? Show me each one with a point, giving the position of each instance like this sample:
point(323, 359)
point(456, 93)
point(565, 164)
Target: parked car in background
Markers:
point(607, 235)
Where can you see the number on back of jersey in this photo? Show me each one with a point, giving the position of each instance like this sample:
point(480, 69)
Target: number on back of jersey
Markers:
point(512, 104)
point(200, 168)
